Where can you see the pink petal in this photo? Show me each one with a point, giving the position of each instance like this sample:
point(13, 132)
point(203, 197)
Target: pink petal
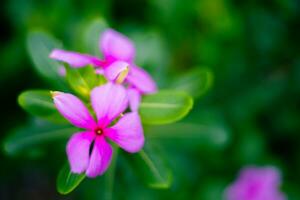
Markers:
point(128, 132)
point(108, 102)
point(73, 110)
point(116, 46)
point(75, 59)
point(112, 71)
point(78, 148)
point(134, 97)
point(100, 158)
point(140, 79)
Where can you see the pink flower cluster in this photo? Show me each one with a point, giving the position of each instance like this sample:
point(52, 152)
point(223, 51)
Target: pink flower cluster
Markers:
point(256, 183)
point(119, 54)
point(88, 150)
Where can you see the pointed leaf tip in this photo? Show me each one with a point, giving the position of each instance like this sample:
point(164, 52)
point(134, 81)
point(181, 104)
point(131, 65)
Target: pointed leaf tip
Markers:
point(152, 167)
point(68, 181)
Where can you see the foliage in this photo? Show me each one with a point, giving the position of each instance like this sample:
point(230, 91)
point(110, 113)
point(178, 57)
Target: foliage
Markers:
point(238, 60)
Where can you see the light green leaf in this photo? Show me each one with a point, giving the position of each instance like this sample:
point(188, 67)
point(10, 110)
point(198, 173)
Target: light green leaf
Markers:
point(165, 107)
point(92, 34)
point(196, 82)
point(83, 80)
point(30, 136)
point(67, 181)
point(40, 104)
point(39, 46)
point(150, 165)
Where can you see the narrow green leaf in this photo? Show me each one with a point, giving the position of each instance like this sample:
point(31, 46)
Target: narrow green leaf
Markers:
point(165, 107)
point(40, 45)
point(39, 103)
point(150, 165)
point(67, 181)
point(196, 82)
point(202, 135)
point(82, 80)
point(92, 34)
point(30, 136)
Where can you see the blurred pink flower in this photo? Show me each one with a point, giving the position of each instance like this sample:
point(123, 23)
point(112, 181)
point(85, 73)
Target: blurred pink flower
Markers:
point(256, 183)
point(88, 150)
point(119, 54)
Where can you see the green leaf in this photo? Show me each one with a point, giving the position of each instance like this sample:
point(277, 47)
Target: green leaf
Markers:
point(196, 82)
point(165, 107)
point(39, 103)
point(67, 181)
point(152, 51)
point(91, 35)
point(28, 137)
point(150, 165)
point(212, 189)
point(83, 80)
point(211, 136)
point(255, 99)
point(39, 46)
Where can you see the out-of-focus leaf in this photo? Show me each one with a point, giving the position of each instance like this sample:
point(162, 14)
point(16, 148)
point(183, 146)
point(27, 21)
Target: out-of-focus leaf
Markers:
point(110, 176)
point(67, 181)
point(213, 188)
point(92, 35)
point(209, 50)
point(40, 45)
point(251, 146)
point(40, 104)
point(150, 49)
point(152, 54)
point(208, 136)
point(269, 33)
point(165, 107)
point(204, 129)
point(195, 82)
point(10, 59)
point(252, 101)
point(291, 189)
point(82, 80)
point(150, 165)
point(28, 137)
point(219, 18)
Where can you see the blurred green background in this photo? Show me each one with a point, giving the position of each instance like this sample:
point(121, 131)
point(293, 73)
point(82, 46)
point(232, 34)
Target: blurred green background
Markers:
point(252, 48)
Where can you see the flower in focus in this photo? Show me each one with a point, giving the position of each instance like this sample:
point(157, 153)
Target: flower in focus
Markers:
point(256, 183)
point(88, 151)
point(119, 54)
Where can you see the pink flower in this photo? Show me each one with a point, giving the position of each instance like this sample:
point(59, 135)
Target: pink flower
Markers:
point(256, 184)
point(119, 54)
point(88, 151)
